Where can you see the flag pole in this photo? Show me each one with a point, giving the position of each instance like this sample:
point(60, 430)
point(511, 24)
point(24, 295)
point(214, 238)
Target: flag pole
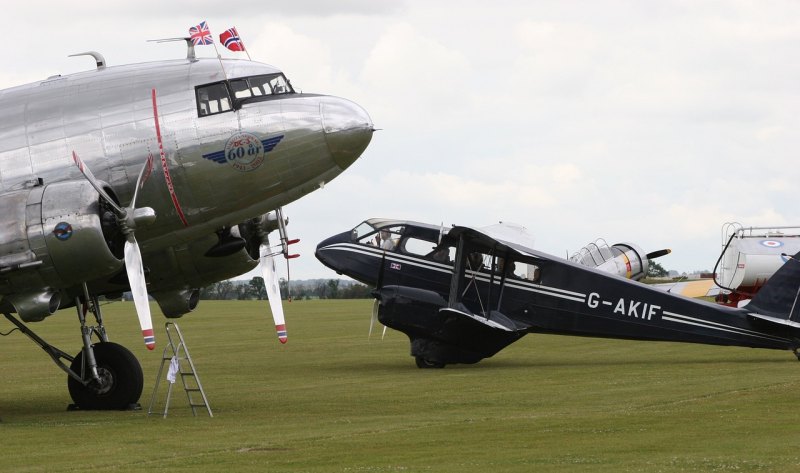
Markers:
point(219, 57)
point(244, 47)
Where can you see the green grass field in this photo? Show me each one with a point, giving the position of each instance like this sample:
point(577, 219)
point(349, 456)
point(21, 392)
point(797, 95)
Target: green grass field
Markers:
point(332, 401)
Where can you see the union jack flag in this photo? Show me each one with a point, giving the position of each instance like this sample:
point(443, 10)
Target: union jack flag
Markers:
point(231, 40)
point(200, 34)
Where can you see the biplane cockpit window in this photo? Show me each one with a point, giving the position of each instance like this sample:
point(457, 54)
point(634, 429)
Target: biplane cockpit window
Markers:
point(212, 98)
point(386, 238)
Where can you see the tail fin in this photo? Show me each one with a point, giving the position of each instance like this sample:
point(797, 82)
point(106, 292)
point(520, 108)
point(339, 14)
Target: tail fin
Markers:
point(778, 299)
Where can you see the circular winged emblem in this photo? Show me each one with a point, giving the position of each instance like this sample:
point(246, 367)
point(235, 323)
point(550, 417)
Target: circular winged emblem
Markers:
point(244, 151)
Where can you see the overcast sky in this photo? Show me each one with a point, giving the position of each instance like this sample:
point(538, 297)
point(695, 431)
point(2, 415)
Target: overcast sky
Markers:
point(650, 122)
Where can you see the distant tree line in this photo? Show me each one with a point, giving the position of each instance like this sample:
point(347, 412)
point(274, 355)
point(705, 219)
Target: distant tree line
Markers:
point(311, 289)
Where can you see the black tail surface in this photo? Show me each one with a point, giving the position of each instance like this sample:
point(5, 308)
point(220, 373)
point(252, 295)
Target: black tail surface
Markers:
point(779, 296)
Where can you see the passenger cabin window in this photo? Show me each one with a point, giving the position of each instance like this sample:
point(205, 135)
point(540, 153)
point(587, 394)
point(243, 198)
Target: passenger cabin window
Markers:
point(513, 269)
point(429, 250)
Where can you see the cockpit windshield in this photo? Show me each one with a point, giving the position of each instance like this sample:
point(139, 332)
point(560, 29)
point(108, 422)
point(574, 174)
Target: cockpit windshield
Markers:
point(216, 98)
point(386, 238)
point(261, 86)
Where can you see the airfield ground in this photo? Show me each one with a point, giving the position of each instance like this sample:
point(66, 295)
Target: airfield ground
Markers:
point(332, 401)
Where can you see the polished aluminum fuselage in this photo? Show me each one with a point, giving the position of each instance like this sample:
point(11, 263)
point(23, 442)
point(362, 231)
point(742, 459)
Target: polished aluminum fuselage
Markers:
point(106, 116)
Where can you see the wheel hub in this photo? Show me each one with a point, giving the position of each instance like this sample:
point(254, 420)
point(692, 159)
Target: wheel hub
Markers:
point(105, 383)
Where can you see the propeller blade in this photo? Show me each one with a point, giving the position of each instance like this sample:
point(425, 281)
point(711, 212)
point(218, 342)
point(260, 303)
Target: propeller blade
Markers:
point(87, 173)
point(373, 318)
point(658, 254)
point(133, 264)
point(270, 275)
point(147, 169)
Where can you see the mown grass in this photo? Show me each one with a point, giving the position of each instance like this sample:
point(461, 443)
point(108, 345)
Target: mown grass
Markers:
point(332, 401)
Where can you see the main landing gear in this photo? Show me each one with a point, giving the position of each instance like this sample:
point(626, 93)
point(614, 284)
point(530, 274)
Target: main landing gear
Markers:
point(103, 375)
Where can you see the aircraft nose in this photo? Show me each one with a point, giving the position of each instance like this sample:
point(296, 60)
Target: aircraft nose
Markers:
point(325, 250)
point(348, 129)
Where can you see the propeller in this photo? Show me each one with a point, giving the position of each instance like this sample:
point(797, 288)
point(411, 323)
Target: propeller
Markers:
point(658, 253)
point(376, 304)
point(375, 319)
point(270, 275)
point(269, 272)
point(127, 220)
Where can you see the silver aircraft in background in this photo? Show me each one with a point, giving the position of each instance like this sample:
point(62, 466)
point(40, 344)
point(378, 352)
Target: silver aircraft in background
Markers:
point(159, 178)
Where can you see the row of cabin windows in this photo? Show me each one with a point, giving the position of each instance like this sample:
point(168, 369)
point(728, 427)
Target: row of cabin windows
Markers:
point(390, 239)
point(216, 98)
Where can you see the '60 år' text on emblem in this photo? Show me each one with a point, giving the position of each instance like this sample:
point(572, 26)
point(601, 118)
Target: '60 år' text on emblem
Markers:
point(244, 151)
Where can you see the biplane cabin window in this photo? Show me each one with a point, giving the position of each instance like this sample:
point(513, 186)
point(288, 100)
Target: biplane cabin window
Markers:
point(212, 99)
point(429, 249)
point(512, 268)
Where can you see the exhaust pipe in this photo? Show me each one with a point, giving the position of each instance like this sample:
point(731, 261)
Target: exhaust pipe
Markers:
point(36, 306)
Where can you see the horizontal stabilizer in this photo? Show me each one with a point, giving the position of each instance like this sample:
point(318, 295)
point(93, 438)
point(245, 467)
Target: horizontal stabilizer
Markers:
point(775, 320)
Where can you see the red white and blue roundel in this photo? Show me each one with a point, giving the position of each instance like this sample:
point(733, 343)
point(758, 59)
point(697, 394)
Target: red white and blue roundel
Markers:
point(771, 243)
point(244, 151)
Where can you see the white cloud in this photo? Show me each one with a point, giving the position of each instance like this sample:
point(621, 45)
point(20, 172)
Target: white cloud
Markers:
point(653, 122)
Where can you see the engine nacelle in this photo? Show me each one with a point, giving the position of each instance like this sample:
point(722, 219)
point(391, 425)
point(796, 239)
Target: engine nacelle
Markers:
point(53, 238)
point(176, 303)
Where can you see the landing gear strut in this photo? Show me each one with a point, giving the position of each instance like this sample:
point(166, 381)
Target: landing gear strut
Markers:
point(104, 375)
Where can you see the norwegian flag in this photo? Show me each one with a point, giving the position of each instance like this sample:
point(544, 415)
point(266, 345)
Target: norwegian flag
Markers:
point(200, 34)
point(231, 40)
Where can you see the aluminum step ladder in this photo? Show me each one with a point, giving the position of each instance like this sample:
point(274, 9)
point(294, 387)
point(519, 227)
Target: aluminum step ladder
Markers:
point(177, 357)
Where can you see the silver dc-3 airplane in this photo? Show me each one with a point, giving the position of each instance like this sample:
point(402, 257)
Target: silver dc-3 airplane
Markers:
point(463, 294)
point(159, 178)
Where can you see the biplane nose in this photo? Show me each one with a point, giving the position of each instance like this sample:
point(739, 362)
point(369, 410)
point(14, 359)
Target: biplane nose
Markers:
point(330, 251)
point(348, 129)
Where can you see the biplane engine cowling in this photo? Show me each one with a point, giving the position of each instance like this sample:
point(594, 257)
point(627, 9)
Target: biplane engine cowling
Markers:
point(53, 238)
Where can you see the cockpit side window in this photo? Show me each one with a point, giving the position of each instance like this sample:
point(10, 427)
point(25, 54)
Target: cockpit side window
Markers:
point(386, 238)
point(241, 89)
point(212, 99)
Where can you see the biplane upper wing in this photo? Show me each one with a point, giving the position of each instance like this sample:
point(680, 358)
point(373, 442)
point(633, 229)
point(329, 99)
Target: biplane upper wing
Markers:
point(502, 237)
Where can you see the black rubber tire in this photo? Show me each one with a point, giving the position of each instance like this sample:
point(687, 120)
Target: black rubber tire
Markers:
point(123, 377)
point(422, 363)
